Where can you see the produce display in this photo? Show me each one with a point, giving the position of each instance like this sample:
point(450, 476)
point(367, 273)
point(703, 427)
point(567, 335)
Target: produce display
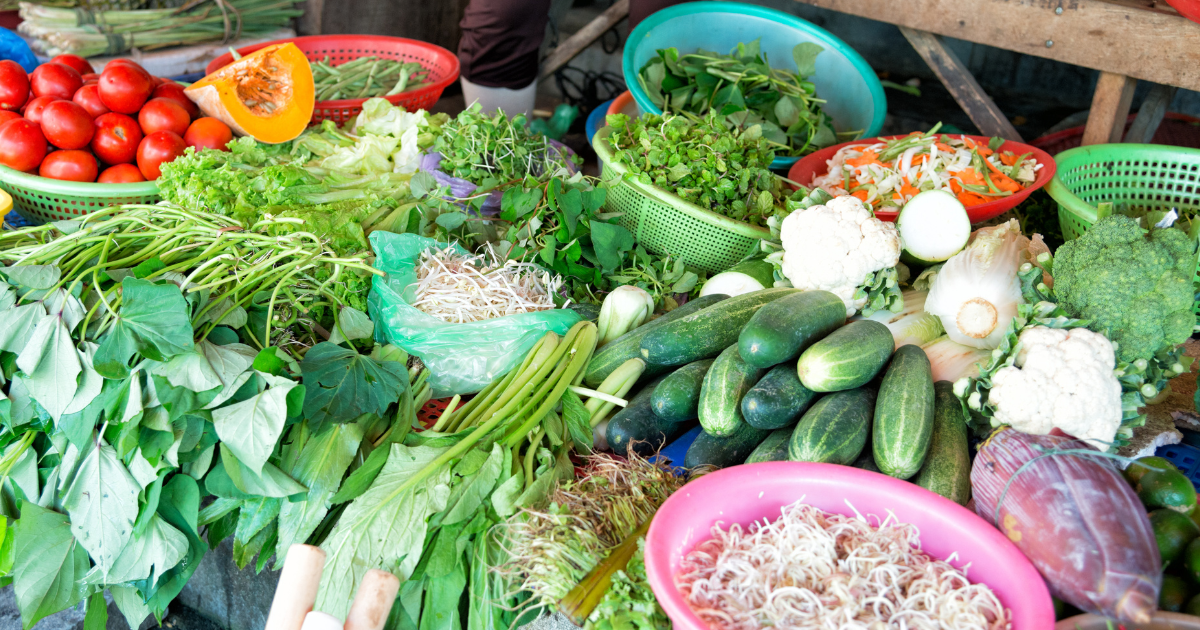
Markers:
point(743, 86)
point(887, 175)
point(119, 126)
point(256, 358)
point(808, 568)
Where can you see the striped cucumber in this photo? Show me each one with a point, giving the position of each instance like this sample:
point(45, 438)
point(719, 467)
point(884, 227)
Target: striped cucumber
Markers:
point(730, 450)
point(727, 381)
point(777, 400)
point(704, 334)
point(638, 427)
point(904, 414)
point(628, 346)
point(947, 469)
point(848, 358)
point(781, 330)
point(834, 430)
point(773, 449)
point(677, 397)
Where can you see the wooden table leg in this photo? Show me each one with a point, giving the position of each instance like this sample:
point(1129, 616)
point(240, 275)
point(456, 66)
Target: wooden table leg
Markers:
point(1151, 113)
point(1110, 109)
point(961, 84)
point(590, 32)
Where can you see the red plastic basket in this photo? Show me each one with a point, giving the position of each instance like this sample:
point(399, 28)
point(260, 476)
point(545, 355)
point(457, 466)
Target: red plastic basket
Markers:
point(1177, 130)
point(814, 164)
point(441, 64)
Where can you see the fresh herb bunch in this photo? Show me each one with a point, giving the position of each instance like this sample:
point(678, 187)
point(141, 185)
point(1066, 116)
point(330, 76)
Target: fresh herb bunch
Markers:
point(491, 150)
point(706, 160)
point(743, 86)
point(667, 280)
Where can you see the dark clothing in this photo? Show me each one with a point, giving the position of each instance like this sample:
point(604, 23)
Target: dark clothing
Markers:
point(501, 38)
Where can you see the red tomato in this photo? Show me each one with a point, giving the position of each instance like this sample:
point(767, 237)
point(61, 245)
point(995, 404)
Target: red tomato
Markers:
point(116, 140)
point(72, 166)
point(163, 114)
point(67, 125)
point(90, 77)
point(124, 88)
point(79, 64)
point(6, 116)
point(34, 108)
point(157, 149)
point(55, 79)
point(121, 174)
point(14, 85)
point(88, 97)
point(22, 145)
point(174, 91)
point(124, 62)
point(208, 133)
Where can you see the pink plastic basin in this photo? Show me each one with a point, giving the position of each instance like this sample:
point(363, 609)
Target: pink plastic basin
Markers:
point(744, 494)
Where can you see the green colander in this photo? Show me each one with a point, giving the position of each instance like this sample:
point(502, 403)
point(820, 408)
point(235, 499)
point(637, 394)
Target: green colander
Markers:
point(41, 199)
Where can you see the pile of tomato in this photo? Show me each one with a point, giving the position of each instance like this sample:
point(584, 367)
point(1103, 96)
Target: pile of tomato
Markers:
point(64, 121)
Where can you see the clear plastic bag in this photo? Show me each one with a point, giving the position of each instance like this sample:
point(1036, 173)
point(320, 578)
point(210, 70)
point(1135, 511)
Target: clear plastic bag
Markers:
point(462, 358)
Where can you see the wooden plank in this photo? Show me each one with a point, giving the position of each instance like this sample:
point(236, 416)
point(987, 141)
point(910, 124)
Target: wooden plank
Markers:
point(1110, 109)
point(1149, 45)
point(584, 37)
point(961, 84)
point(1151, 113)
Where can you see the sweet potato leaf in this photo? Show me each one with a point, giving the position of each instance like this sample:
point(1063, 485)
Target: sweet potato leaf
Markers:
point(47, 566)
point(153, 320)
point(321, 465)
point(342, 384)
point(102, 502)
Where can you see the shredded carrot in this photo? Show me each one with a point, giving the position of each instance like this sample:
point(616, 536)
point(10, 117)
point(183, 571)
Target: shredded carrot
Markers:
point(868, 157)
point(969, 176)
point(1008, 158)
point(1002, 181)
point(944, 147)
point(860, 194)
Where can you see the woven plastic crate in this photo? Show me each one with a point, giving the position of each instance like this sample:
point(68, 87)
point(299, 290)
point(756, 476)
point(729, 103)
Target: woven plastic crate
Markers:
point(1185, 457)
point(41, 199)
point(1147, 176)
point(441, 64)
point(668, 225)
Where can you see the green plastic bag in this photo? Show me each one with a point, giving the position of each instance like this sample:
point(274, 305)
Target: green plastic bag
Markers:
point(462, 358)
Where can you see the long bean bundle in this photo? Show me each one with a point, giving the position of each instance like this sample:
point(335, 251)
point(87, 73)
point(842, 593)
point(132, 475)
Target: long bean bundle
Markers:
point(366, 77)
point(277, 290)
point(87, 33)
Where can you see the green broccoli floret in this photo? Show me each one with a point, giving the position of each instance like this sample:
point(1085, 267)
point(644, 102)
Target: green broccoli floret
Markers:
point(1134, 285)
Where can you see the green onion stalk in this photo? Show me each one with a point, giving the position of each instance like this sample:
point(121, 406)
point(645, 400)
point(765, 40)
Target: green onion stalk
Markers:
point(223, 267)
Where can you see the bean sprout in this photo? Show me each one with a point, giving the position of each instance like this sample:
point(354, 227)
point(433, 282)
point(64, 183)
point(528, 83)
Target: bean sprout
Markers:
point(462, 288)
point(811, 569)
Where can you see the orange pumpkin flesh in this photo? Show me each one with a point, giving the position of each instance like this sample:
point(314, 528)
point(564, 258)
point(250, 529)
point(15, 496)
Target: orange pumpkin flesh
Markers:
point(267, 94)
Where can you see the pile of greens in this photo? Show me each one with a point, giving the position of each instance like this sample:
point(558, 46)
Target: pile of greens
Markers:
point(709, 161)
point(744, 87)
point(493, 150)
point(152, 404)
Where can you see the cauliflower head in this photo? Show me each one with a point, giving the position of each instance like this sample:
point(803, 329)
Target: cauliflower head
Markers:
point(1133, 285)
point(1060, 379)
point(836, 247)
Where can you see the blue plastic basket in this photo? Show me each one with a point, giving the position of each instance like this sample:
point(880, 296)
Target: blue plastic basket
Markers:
point(854, 97)
point(1185, 457)
point(595, 120)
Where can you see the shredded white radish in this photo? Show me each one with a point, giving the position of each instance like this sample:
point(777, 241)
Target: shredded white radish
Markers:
point(460, 288)
point(811, 569)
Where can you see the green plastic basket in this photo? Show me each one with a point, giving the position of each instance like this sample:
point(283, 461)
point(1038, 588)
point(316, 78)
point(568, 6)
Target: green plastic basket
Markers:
point(1150, 176)
point(41, 199)
point(667, 225)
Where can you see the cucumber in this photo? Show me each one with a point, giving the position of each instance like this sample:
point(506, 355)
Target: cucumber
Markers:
point(704, 334)
point(731, 450)
point(628, 346)
point(773, 449)
point(637, 424)
point(677, 397)
point(866, 461)
point(781, 330)
point(904, 414)
point(777, 400)
point(848, 358)
point(727, 381)
point(835, 429)
point(947, 469)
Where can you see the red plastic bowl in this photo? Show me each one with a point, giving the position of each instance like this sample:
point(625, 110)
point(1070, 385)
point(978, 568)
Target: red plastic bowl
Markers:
point(441, 63)
point(743, 494)
point(816, 164)
point(1189, 9)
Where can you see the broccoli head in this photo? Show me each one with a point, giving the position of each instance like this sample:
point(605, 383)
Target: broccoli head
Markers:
point(1134, 285)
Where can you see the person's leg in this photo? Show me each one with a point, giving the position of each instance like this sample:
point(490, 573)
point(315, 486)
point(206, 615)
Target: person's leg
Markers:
point(641, 9)
point(498, 52)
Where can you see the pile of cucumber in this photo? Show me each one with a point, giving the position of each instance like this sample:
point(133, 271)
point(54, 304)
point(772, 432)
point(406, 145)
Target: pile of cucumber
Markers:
point(778, 374)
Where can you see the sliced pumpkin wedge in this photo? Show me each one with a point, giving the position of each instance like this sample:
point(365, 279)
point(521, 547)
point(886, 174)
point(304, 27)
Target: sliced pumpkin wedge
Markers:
point(267, 94)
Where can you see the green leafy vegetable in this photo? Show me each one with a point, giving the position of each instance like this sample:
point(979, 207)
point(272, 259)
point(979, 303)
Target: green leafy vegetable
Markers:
point(47, 566)
point(343, 385)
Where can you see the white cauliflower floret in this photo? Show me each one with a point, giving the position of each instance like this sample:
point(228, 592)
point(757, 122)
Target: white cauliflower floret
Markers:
point(1061, 379)
point(834, 247)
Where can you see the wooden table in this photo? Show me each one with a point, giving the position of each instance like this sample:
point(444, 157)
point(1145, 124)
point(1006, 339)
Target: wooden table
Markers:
point(1126, 40)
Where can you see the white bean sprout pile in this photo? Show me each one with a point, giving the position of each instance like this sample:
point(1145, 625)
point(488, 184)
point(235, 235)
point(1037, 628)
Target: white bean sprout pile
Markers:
point(462, 288)
point(810, 569)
